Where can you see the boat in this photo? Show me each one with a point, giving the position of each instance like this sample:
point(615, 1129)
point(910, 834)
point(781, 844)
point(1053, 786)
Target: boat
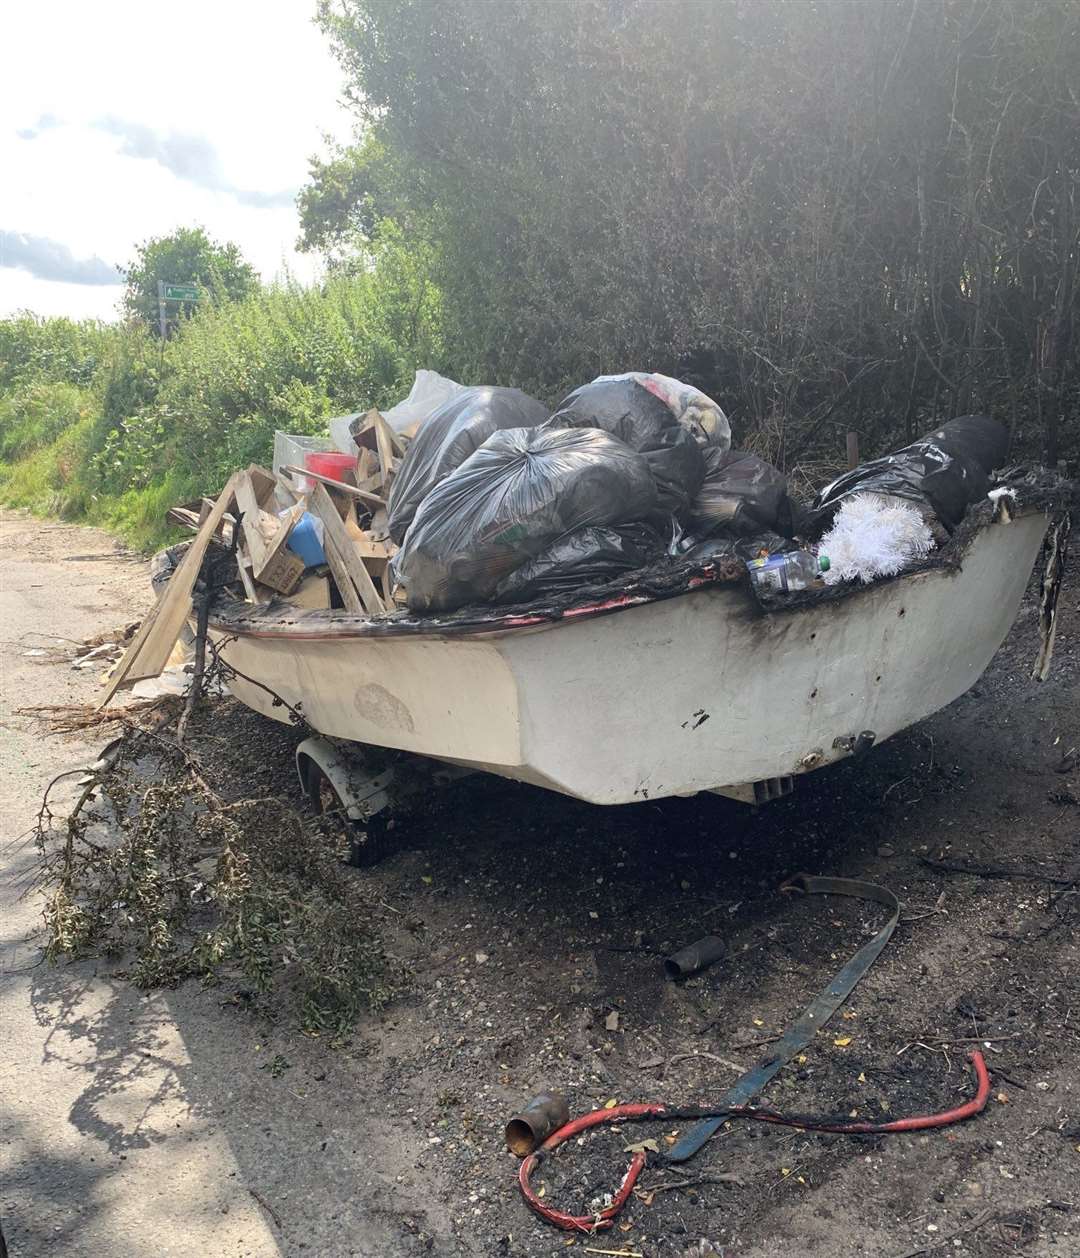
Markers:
point(644, 692)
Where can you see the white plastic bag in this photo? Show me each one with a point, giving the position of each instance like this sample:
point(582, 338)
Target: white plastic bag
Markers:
point(340, 434)
point(429, 391)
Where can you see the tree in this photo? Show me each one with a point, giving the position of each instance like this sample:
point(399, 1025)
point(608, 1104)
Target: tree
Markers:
point(347, 195)
point(187, 256)
point(828, 215)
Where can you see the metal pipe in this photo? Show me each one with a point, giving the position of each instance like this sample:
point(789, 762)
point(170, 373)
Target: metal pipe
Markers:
point(694, 957)
point(543, 1115)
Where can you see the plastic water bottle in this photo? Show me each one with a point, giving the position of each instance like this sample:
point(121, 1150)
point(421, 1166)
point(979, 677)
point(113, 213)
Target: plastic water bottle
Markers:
point(792, 570)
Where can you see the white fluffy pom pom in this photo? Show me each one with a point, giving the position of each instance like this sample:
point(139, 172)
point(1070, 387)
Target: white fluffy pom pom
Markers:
point(874, 535)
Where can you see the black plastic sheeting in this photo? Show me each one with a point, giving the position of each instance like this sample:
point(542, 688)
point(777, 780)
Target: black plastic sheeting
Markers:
point(948, 470)
point(623, 407)
point(446, 439)
point(743, 548)
point(523, 490)
point(581, 559)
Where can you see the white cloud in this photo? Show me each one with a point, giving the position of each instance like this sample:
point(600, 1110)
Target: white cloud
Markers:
point(19, 290)
point(50, 260)
point(126, 120)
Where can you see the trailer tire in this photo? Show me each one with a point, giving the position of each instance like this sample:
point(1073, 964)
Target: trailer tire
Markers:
point(367, 839)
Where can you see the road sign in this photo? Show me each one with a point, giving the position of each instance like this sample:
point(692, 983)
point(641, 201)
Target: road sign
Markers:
point(181, 292)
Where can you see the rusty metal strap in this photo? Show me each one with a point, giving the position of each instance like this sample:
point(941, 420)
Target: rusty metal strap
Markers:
point(814, 1017)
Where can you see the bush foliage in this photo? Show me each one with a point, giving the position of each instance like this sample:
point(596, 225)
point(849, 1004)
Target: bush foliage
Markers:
point(827, 214)
point(104, 421)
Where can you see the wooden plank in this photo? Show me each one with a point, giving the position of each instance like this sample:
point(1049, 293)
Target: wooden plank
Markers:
point(342, 579)
point(372, 547)
point(376, 434)
point(248, 505)
point(335, 530)
point(367, 464)
point(255, 594)
point(853, 449)
point(185, 518)
point(149, 651)
point(266, 533)
point(364, 436)
point(395, 439)
point(339, 485)
point(265, 483)
point(246, 579)
point(188, 518)
point(385, 449)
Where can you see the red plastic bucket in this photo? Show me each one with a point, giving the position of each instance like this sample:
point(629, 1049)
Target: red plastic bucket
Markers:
point(331, 463)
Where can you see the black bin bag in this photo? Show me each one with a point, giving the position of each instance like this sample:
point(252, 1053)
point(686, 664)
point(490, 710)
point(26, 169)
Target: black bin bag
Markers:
point(741, 495)
point(524, 489)
point(446, 439)
point(948, 470)
point(587, 557)
point(624, 407)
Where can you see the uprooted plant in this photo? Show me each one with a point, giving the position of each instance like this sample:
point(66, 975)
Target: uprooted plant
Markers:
point(157, 865)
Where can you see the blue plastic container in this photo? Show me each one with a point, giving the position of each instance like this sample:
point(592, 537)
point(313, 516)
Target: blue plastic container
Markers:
point(304, 541)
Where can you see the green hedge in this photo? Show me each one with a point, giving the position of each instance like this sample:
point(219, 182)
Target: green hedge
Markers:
point(102, 423)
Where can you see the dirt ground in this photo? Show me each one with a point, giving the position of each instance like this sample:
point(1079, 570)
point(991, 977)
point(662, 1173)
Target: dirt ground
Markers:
point(527, 920)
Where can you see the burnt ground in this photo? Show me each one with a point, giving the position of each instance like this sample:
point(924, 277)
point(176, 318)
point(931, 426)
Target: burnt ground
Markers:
point(527, 919)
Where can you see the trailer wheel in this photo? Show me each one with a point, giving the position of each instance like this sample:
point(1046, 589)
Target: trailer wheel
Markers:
point(367, 839)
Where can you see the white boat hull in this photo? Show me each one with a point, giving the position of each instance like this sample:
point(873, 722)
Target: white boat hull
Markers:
point(698, 692)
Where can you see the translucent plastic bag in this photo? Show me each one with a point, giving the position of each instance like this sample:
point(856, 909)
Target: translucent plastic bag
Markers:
point(524, 489)
point(696, 411)
point(447, 438)
point(429, 391)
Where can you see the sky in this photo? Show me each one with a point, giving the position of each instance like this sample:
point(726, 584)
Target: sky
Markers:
point(122, 120)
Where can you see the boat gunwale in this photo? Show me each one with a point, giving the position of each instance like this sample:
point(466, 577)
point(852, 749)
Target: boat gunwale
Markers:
point(1035, 492)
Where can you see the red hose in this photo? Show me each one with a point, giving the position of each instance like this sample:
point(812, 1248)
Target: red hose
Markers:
point(589, 1223)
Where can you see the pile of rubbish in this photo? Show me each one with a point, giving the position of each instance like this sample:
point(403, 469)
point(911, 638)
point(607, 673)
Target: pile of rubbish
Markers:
point(467, 496)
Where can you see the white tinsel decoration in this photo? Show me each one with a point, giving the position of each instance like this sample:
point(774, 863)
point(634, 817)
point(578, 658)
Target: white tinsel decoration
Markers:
point(872, 536)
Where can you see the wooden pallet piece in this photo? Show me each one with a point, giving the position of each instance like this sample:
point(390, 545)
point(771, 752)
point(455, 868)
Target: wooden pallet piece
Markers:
point(149, 651)
point(257, 594)
point(342, 579)
point(336, 534)
point(266, 534)
point(375, 433)
point(190, 515)
point(339, 485)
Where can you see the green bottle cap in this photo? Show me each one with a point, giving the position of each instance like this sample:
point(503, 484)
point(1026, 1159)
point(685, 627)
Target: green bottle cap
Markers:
point(823, 563)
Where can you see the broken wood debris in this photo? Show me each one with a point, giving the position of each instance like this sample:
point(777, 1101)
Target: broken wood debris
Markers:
point(149, 652)
point(352, 578)
point(266, 533)
point(342, 487)
point(255, 515)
